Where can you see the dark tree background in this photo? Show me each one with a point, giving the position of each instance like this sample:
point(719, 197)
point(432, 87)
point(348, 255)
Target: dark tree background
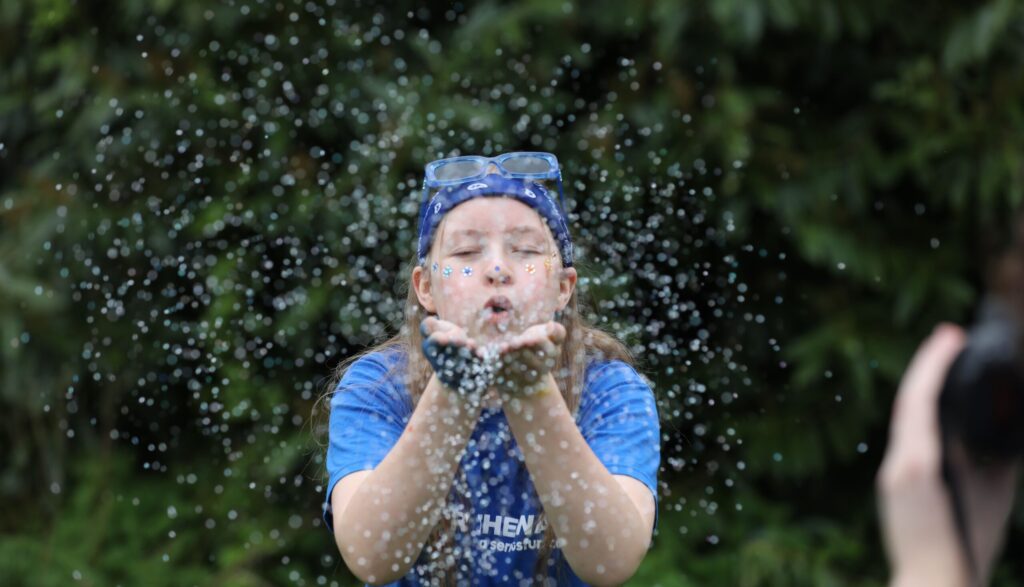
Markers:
point(205, 206)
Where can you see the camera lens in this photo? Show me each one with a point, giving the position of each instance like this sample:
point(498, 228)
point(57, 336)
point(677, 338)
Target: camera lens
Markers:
point(982, 400)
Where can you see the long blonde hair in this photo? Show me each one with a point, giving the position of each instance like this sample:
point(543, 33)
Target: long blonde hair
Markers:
point(583, 343)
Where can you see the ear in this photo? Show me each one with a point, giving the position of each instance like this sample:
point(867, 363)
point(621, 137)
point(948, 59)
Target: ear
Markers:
point(566, 285)
point(421, 283)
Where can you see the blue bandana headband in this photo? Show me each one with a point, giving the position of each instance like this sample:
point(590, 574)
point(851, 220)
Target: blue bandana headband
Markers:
point(530, 193)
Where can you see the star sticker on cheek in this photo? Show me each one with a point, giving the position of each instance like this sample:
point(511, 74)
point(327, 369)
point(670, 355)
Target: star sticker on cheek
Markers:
point(530, 268)
point(447, 271)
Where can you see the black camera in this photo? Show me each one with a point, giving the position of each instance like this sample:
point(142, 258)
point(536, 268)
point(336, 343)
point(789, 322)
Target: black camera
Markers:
point(982, 401)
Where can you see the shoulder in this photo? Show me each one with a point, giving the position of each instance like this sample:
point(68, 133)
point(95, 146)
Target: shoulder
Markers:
point(377, 373)
point(609, 385)
point(388, 362)
point(605, 373)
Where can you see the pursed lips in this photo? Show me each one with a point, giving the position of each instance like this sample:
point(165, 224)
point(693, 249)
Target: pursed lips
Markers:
point(498, 304)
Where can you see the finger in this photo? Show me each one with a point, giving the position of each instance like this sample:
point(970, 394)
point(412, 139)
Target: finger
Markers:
point(513, 344)
point(442, 338)
point(534, 336)
point(928, 368)
point(444, 325)
point(915, 410)
point(461, 340)
point(539, 357)
point(549, 351)
point(427, 326)
point(432, 324)
point(483, 352)
point(455, 338)
point(556, 333)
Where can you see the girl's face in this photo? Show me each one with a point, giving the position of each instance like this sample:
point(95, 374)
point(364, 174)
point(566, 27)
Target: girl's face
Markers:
point(492, 253)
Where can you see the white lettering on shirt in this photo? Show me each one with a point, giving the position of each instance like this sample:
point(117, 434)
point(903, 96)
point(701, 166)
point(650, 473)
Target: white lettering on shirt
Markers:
point(501, 526)
point(510, 527)
point(489, 524)
point(526, 524)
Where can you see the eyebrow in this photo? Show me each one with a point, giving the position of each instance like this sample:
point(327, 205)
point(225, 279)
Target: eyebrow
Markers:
point(522, 229)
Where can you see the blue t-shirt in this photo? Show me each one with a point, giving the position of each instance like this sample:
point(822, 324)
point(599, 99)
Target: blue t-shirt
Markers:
point(617, 417)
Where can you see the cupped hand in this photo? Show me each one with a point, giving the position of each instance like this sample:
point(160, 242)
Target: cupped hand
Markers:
point(457, 359)
point(526, 359)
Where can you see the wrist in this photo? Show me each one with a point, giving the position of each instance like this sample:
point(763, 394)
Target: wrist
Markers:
point(526, 388)
point(536, 396)
point(451, 406)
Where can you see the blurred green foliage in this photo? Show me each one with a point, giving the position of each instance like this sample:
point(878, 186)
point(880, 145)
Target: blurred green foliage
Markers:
point(204, 206)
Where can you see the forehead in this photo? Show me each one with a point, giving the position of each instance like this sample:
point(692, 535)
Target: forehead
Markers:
point(493, 215)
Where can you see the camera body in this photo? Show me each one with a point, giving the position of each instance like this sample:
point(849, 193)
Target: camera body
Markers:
point(982, 400)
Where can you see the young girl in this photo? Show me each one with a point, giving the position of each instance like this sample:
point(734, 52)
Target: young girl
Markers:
point(498, 438)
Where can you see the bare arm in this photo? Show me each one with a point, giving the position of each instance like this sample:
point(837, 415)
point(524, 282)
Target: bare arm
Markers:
point(604, 521)
point(384, 516)
point(915, 508)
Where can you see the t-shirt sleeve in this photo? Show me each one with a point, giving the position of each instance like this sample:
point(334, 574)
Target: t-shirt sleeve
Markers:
point(618, 418)
point(369, 411)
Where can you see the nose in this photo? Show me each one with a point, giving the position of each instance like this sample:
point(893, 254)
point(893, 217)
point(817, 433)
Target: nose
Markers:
point(499, 272)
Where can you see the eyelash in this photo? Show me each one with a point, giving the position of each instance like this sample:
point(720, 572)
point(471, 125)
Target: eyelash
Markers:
point(525, 251)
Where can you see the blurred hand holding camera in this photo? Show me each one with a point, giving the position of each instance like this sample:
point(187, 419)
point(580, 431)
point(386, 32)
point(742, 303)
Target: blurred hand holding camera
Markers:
point(917, 516)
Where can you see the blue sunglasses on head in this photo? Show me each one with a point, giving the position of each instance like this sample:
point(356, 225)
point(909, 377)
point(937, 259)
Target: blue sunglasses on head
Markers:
point(519, 164)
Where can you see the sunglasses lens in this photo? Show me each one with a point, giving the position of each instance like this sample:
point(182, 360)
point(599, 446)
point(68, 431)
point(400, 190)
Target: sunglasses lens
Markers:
point(458, 170)
point(527, 164)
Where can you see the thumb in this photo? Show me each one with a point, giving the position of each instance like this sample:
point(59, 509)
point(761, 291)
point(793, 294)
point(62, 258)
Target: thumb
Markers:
point(556, 332)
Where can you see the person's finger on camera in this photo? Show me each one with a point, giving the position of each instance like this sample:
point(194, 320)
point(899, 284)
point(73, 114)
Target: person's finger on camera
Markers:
point(918, 529)
point(915, 411)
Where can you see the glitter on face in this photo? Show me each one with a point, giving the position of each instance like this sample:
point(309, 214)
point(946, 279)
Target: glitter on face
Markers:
point(531, 268)
point(467, 271)
point(447, 271)
point(434, 267)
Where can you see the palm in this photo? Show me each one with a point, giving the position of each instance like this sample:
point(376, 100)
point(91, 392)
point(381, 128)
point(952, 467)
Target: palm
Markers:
point(528, 357)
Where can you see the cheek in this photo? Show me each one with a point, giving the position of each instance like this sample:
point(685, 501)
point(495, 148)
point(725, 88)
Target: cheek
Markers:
point(454, 293)
point(447, 286)
point(539, 287)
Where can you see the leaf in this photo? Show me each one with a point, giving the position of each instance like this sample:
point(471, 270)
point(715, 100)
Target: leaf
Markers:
point(972, 40)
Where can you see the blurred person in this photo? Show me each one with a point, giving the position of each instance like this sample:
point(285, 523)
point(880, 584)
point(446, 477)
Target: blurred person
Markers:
point(944, 507)
point(918, 525)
